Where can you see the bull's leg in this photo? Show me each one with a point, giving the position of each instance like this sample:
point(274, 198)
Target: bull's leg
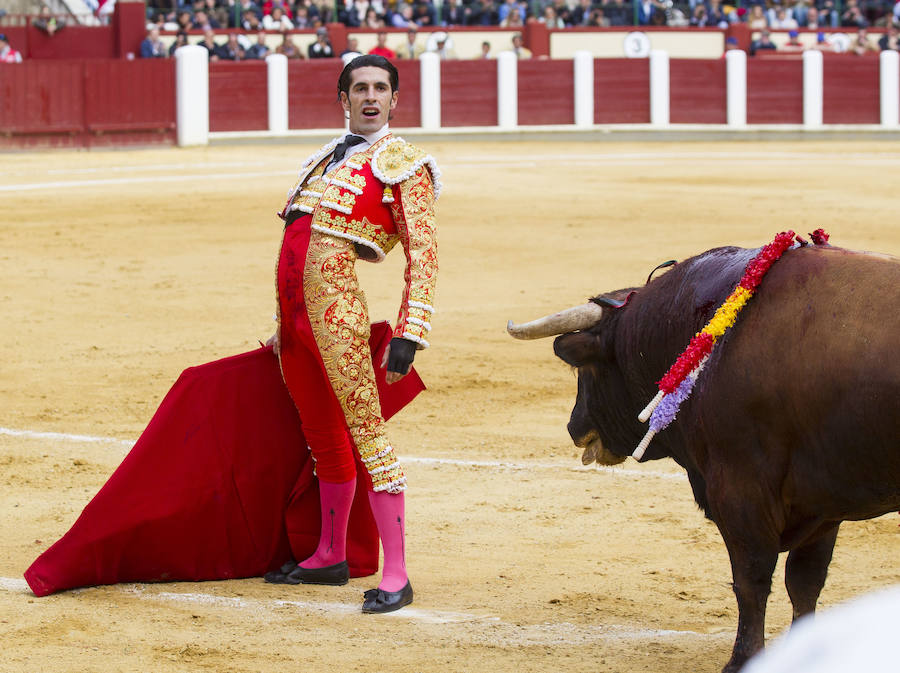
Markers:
point(752, 566)
point(805, 571)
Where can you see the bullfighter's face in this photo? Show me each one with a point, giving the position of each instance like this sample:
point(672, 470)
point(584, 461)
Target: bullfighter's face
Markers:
point(369, 101)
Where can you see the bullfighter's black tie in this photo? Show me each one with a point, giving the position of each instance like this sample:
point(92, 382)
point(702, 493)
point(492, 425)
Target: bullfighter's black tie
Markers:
point(341, 148)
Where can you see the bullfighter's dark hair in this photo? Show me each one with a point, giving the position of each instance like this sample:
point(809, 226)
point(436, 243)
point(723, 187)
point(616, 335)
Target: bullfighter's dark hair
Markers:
point(368, 60)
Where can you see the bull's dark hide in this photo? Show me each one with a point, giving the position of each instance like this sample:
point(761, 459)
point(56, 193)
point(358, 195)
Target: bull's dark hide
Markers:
point(794, 424)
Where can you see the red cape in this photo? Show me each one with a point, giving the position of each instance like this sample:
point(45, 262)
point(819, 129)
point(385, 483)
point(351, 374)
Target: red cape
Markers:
point(220, 485)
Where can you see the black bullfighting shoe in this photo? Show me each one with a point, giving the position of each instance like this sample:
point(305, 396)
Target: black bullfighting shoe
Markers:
point(280, 576)
point(377, 601)
point(334, 575)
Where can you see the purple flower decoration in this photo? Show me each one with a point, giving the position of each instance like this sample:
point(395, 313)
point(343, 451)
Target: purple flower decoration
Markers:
point(668, 406)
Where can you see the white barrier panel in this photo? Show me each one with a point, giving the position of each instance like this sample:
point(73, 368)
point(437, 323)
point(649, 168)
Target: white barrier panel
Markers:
point(192, 95)
point(889, 73)
point(430, 90)
point(813, 79)
point(277, 80)
point(583, 62)
point(736, 82)
point(659, 88)
point(507, 90)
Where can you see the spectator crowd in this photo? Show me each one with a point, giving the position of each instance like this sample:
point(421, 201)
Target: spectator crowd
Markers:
point(252, 15)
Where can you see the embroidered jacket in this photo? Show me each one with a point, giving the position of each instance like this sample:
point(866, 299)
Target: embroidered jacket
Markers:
point(378, 197)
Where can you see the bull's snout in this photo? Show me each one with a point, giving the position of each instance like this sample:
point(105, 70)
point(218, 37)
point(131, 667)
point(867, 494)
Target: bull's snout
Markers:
point(594, 451)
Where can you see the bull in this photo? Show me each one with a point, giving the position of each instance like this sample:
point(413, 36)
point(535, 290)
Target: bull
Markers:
point(793, 425)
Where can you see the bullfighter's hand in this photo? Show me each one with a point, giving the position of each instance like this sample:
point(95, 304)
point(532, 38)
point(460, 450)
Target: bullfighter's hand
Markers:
point(398, 358)
point(275, 342)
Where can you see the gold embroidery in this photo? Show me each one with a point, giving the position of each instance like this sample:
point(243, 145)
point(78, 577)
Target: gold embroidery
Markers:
point(398, 158)
point(363, 229)
point(340, 324)
point(415, 216)
point(334, 194)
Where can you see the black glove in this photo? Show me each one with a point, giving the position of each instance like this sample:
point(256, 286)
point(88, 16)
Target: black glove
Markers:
point(401, 356)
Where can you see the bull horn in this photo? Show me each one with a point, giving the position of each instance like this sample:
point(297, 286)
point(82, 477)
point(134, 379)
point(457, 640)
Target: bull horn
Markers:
point(570, 320)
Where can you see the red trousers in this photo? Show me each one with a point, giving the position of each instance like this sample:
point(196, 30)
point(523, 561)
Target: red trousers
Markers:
point(323, 420)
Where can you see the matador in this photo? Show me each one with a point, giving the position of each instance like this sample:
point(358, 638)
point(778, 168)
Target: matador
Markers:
point(357, 197)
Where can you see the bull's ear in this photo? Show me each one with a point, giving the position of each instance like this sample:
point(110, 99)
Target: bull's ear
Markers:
point(578, 348)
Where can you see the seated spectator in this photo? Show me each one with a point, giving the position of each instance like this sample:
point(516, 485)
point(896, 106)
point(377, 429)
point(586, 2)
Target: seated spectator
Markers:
point(244, 6)
point(181, 40)
point(563, 11)
point(410, 47)
point(700, 17)
point(483, 13)
point(185, 20)
point(485, 51)
point(852, 16)
point(381, 48)
point(321, 48)
point(232, 49)
point(424, 13)
point(822, 43)
point(582, 13)
point(714, 10)
point(259, 49)
point(812, 19)
point(288, 47)
point(250, 21)
point(756, 20)
point(7, 53)
point(518, 48)
point(403, 18)
point(647, 9)
point(550, 19)
point(270, 5)
point(442, 46)
point(782, 21)
point(793, 43)
point(455, 13)
point(617, 12)
point(352, 49)
point(209, 43)
point(889, 40)
point(597, 19)
point(217, 13)
point(861, 44)
point(763, 43)
point(512, 20)
point(372, 20)
point(203, 21)
point(506, 8)
point(277, 20)
point(152, 46)
point(47, 22)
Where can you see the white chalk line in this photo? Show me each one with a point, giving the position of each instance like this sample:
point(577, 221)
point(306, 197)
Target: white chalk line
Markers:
point(495, 629)
point(587, 159)
point(485, 464)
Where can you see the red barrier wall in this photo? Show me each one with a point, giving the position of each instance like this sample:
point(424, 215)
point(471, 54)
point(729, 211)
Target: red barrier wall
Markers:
point(409, 109)
point(313, 95)
point(468, 93)
point(546, 92)
point(238, 96)
point(87, 103)
point(850, 90)
point(775, 90)
point(622, 91)
point(697, 93)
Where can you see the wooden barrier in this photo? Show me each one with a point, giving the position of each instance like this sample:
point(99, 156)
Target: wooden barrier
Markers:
point(87, 103)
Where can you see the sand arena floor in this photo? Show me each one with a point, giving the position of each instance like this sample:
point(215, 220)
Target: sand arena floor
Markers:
point(120, 269)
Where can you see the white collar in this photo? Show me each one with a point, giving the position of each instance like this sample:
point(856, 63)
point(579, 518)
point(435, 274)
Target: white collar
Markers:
point(373, 138)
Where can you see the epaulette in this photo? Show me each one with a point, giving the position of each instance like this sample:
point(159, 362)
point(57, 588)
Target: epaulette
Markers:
point(397, 161)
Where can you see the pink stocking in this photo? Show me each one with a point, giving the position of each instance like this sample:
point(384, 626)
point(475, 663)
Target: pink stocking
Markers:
point(336, 500)
point(388, 509)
